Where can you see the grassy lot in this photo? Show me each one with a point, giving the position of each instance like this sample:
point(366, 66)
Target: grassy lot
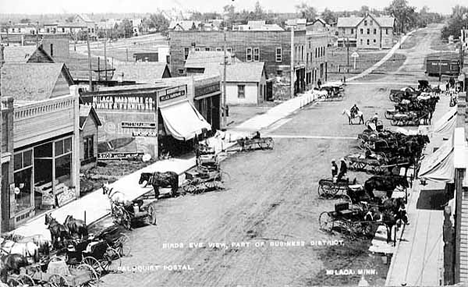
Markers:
point(337, 59)
point(239, 114)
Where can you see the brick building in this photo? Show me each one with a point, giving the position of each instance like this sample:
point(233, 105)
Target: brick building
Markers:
point(271, 47)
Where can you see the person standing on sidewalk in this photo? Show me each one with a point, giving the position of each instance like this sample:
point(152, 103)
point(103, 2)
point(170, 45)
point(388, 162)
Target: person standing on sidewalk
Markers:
point(319, 83)
point(334, 168)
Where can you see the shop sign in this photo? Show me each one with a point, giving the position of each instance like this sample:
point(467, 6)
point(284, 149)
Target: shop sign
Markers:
point(120, 155)
point(172, 93)
point(65, 195)
point(139, 125)
point(207, 89)
point(144, 134)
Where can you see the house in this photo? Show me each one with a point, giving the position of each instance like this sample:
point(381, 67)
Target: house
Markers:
point(298, 24)
point(368, 32)
point(257, 26)
point(26, 54)
point(89, 123)
point(184, 25)
point(197, 60)
point(36, 81)
point(245, 82)
point(141, 72)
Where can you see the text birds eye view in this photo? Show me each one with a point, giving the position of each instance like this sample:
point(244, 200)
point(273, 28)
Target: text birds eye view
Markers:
point(233, 143)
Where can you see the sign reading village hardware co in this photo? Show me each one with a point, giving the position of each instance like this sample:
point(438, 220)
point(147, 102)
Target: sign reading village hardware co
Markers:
point(172, 93)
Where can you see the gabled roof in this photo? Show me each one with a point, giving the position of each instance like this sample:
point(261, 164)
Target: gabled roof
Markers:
point(22, 54)
point(78, 65)
point(348, 21)
point(84, 17)
point(184, 24)
point(32, 82)
point(295, 22)
point(385, 21)
point(85, 112)
point(141, 72)
point(237, 71)
point(198, 59)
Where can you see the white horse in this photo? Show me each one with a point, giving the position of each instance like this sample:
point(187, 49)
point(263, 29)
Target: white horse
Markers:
point(27, 249)
point(114, 195)
point(359, 115)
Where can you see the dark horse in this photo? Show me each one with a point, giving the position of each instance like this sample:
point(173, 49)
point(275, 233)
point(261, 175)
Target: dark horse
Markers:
point(76, 226)
point(384, 183)
point(58, 232)
point(391, 214)
point(161, 179)
point(11, 263)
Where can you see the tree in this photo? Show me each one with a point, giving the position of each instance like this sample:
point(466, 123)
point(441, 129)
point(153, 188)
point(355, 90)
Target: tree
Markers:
point(70, 19)
point(306, 11)
point(404, 14)
point(259, 13)
point(25, 21)
point(158, 22)
point(329, 16)
point(364, 11)
point(125, 29)
point(457, 21)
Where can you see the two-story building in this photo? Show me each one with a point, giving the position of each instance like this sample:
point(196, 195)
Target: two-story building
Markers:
point(271, 47)
point(368, 32)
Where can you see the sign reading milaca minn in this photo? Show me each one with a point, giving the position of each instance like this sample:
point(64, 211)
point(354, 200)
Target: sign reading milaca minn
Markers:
point(172, 93)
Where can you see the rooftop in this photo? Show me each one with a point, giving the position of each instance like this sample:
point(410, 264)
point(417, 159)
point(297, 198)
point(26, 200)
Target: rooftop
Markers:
point(141, 72)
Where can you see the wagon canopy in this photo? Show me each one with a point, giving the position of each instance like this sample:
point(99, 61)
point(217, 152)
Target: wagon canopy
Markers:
point(439, 165)
point(183, 121)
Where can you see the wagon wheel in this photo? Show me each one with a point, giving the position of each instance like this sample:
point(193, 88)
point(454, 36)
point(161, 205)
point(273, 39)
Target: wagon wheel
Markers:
point(394, 122)
point(93, 276)
point(388, 115)
point(122, 246)
point(224, 178)
point(366, 228)
point(91, 261)
point(111, 260)
point(25, 279)
point(59, 280)
point(346, 198)
point(14, 281)
point(326, 221)
point(269, 143)
point(126, 220)
point(210, 185)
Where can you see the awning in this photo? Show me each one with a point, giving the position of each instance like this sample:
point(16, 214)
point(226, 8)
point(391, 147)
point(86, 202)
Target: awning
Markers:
point(183, 121)
point(446, 124)
point(439, 166)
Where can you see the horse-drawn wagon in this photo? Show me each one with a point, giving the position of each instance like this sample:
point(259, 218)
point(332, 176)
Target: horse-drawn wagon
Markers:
point(335, 91)
point(329, 188)
point(346, 219)
point(203, 179)
point(248, 144)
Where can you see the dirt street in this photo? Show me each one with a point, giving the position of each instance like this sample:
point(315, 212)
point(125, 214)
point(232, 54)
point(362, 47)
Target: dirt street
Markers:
point(271, 202)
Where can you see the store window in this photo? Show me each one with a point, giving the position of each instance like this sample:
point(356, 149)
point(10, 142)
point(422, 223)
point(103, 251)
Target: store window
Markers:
point(22, 179)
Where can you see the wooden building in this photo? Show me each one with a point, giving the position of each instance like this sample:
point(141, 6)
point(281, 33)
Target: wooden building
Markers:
point(40, 163)
point(141, 72)
point(89, 123)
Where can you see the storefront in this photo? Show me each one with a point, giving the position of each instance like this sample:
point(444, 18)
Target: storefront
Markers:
point(45, 162)
point(207, 100)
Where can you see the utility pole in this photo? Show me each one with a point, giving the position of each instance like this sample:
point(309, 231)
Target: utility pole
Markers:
point(90, 65)
point(37, 34)
point(7, 36)
point(105, 56)
point(347, 54)
point(440, 67)
point(292, 62)
point(224, 80)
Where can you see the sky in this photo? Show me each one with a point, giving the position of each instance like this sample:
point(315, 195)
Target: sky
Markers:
point(148, 6)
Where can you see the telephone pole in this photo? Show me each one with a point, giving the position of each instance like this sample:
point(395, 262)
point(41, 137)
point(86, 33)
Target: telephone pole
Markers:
point(224, 80)
point(105, 56)
point(292, 62)
point(89, 62)
point(347, 55)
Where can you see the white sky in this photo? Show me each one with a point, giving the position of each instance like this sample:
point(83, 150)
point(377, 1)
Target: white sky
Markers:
point(148, 6)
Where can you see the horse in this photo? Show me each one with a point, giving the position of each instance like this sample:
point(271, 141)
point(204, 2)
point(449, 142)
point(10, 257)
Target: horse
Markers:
point(384, 183)
point(387, 216)
point(76, 226)
point(161, 179)
point(11, 263)
point(58, 232)
point(359, 115)
point(25, 249)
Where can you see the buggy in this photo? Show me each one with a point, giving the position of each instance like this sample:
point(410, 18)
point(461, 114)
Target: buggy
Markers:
point(329, 188)
point(127, 214)
point(349, 220)
point(254, 143)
